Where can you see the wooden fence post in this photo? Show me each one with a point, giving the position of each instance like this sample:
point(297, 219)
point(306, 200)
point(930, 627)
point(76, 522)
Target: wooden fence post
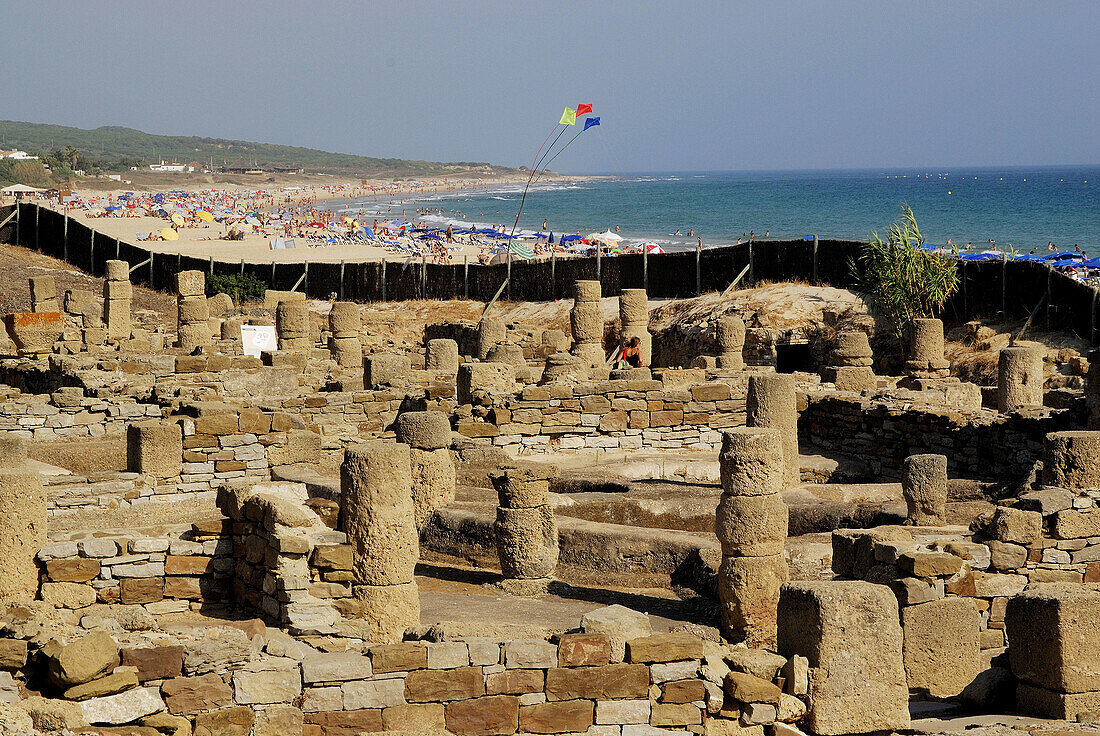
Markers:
point(645, 268)
point(65, 244)
point(383, 279)
point(465, 277)
point(698, 268)
point(341, 281)
point(816, 283)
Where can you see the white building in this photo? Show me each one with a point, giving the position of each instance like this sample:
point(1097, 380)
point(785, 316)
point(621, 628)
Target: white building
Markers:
point(18, 155)
point(178, 168)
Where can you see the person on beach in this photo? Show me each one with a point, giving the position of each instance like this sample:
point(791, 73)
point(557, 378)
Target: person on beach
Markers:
point(450, 234)
point(544, 225)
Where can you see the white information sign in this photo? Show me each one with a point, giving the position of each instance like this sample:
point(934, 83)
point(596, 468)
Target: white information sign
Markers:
point(256, 339)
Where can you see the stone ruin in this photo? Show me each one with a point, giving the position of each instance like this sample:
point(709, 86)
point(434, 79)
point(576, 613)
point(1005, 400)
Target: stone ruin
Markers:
point(587, 322)
point(1019, 378)
point(292, 326)
point(926, 350)
point(525, 530)
point(634, 322)
point(852, 361)
point(730, 335)
point(773, 403)
point(193, 328)
point(345, 325)
point(117, 297)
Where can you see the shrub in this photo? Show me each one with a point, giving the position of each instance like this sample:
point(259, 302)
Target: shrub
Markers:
point(241, 288)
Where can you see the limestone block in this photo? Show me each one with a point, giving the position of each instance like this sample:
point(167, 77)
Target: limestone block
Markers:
point(620, 624)
point(772, 402)
point(851, 346)
point(751, 461)
point(942, 646)
point(118, 290)
point(926, 344)
point(1055, 643)
point(189, 283)
point(442, 355)
point(43, 294)
point(424, 430)
point(381, 369)
point(523, 484)
point(564, 367)
point(490, 333)
point(752, 526)
point(850, 632)
point(123, 707)
point(586, 290)
point(34, 332)
point(116, 313)
point(1014, 525)
point(433, 482)
point(527, 542)
point(506, 352)
point(850, 378)
point(1072, 459)
point(346, 351)
point(119, 271)
point(387, 610)
point(748, 590)
point(1019, 377)
point(192, 309)
point(155, 448)
point(491, 377)
point(22, 527)
point(924, 485)
point(219, 304)
point(1053, 704)
point(231, 329)
point(591, 355)
point(586, 320)
point(82, 660)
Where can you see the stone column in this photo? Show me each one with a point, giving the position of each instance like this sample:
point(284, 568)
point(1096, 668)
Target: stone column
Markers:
point(586, 319)
point(292, 326)
point(850, 632)
point(926, 350)
point(376, 512)
point(194, 313)
point(634, 320)
point(563, 367)
point(345, 323)
point(22, 522)
point(442, 355)
point(44, 294)
point(490, 333)
point(155, 448)
point(852, 361)
point(117, 295)
point(1020, 377)
point(730, 335)
point(771, 402)
point(1071, 459)
point(924, 485)
point(751, 524)
point(428, 435)
point(526, 533)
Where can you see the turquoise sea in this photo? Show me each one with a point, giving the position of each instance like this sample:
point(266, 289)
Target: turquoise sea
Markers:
point(1018, 208)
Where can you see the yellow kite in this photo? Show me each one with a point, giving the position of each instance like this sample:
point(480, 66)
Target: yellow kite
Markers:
point(569, 117)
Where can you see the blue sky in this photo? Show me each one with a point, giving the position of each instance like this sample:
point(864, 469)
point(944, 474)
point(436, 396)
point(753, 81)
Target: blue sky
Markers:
point(678, 85)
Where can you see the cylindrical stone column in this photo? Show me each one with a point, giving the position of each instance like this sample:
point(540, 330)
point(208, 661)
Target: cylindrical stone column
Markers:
point(1020, 378)
point(1071, 459)
point(751, 525)
point(926, 349)
point(924, 485)
point(586, 321)
point(490, 333)
point(730, 335)
point(117, 295)
point(442, 355)
point(634, 321)
point(525, 529)
point(194, 313)
point(428, 435)
point(292, 325)
point(772, 402)
point(344, 345)
point(376, 513)
point(22, 522)
point(564, 367)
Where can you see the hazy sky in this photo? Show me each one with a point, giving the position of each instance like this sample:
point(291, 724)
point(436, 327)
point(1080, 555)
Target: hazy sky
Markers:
point(678, 85)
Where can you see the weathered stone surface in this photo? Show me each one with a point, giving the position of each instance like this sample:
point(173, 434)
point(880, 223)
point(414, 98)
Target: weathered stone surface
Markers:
point(22, 524)
point(403, 657)
point(570, 716)
point(266, 687)
point(1075, 524)
point(620, 624)
point(942, 646)
point(1055, 643)
point(584, 650)
point(433, 482)
point(1015, 525)
point(1020, 377)
point(190, 695)
point(373, 694)
point(749, 689)
point(441, 355)
point(387, 610)
point(415, 717)
point(335, 667)
point(485, 716)
point(68, 595)
point(432, 686)
point(123, 707)
point(748, 588)
point(924, 485)
point(116, 682)
point(850, 633)
point(1071, 459)
point(278, 720)
point(751, 461)
point(527, 541)
point(1053, 704)
point(772, 402)
point(756, 662)
point(752, 526)
point(218, 649)
point(49, 714)
point(669, 647)
point(424, 430)
point(83, 660)
point(235, 721)
point(530, 653)
point(611, 682)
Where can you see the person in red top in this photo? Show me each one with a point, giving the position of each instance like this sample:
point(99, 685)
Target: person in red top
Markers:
point(632, 353)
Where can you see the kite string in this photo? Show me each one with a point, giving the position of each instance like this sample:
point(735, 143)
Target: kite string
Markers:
point(534, 168)
point(547, 163)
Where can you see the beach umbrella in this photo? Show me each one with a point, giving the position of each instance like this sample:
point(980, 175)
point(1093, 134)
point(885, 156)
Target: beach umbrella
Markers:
point(177, 220)
point(205, 216)
point(653, 248)
point(169, 234)
point(607, 237)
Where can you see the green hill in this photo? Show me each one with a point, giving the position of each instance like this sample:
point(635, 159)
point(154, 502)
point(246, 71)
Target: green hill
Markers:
point(113, 148)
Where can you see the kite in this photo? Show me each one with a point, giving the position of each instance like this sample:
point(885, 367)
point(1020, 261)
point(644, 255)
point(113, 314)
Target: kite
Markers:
point(589, 123)
point(582, 109)
point(569, 117)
